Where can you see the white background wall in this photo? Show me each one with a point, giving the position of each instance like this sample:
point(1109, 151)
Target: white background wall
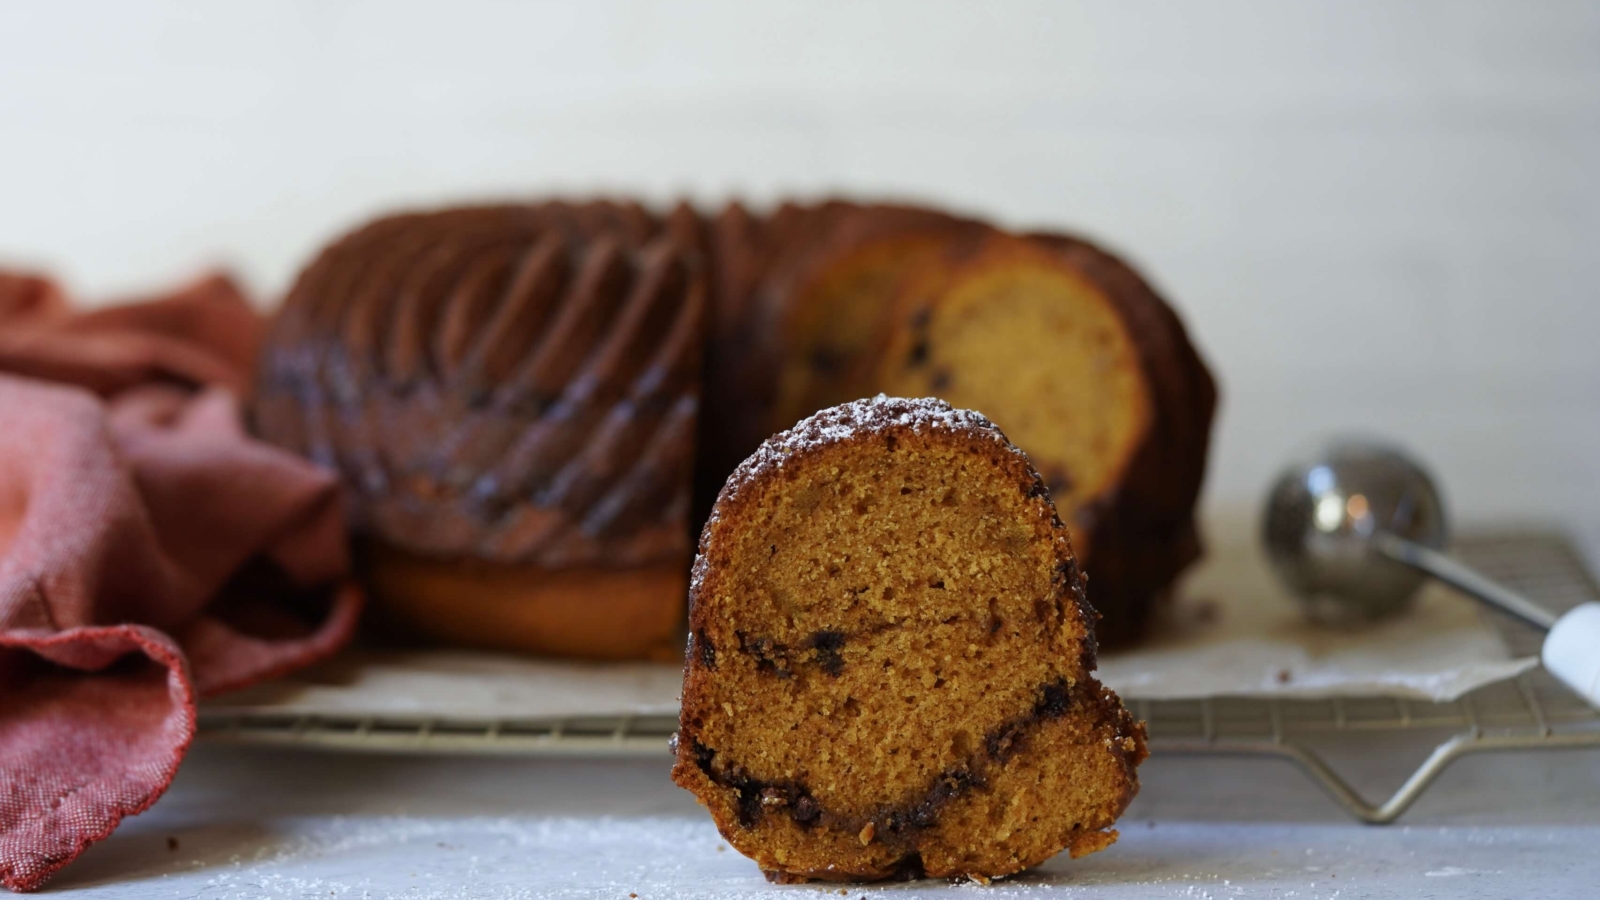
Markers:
point(1378, 215)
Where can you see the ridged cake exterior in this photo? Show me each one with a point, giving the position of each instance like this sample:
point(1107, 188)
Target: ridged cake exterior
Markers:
point(501, 387)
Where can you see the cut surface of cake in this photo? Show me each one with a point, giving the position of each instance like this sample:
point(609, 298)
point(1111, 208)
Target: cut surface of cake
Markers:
point(1067, 349)
point(890, 658)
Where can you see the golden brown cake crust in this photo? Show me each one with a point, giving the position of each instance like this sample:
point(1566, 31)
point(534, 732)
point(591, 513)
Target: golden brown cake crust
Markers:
point(901, 684)
point(583, 612)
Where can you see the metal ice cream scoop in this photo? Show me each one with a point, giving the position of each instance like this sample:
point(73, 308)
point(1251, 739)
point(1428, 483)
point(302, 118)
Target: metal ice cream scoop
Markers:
point(1356, 529)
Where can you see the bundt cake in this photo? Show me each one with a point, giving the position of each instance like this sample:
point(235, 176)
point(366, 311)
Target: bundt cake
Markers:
point(511, 394)
point(890, 657)
point(1062, 344)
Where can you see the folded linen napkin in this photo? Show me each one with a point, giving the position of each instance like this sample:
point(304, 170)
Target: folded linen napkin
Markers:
point(151, 552)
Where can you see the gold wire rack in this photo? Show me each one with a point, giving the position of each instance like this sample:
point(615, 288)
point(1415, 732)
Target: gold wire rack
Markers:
point(1530, 712)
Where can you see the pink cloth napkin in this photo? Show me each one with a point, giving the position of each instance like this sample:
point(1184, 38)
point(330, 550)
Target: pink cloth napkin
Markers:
point(151, 552)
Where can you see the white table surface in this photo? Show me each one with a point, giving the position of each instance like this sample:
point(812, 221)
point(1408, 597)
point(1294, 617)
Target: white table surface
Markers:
point(256, 823)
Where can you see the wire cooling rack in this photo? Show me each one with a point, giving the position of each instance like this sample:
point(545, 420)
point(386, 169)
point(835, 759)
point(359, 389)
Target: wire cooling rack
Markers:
point(1531, 712)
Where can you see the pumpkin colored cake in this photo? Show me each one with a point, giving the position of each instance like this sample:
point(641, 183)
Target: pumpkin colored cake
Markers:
point(890, 661)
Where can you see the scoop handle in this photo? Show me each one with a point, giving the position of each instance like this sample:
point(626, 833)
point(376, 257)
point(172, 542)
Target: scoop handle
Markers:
point(1572, 651)
point(1463, 578)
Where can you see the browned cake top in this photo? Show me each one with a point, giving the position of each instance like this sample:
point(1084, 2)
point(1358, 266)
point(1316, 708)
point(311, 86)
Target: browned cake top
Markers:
point(508, 383)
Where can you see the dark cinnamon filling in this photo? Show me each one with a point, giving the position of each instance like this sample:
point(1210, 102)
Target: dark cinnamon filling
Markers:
point(827, 645)
point(776, 658)
point(901, 822)
point(703, 649)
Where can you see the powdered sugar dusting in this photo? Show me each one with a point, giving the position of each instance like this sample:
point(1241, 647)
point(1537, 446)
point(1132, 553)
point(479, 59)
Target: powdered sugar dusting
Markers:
point(845, 422)
point(851, 420)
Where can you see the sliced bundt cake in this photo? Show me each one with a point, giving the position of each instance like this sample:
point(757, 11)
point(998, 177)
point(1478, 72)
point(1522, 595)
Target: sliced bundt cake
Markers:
point(890, 660)
point(512, 393)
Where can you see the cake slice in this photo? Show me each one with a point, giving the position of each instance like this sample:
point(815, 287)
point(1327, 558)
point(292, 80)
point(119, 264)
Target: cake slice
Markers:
point(890, 661)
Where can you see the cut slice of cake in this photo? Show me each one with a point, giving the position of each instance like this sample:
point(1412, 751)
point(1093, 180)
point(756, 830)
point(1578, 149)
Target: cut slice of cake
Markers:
point(890, 659)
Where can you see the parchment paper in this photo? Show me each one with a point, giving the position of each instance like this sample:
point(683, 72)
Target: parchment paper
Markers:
point(1234, 632)
point(1230, 632)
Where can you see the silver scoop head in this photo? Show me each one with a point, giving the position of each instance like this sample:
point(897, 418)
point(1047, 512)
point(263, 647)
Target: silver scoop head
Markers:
point(1321, 513)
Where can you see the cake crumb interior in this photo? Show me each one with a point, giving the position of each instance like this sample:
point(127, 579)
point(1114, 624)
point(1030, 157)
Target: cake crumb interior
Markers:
point(1042, 353)
point(887, 602)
